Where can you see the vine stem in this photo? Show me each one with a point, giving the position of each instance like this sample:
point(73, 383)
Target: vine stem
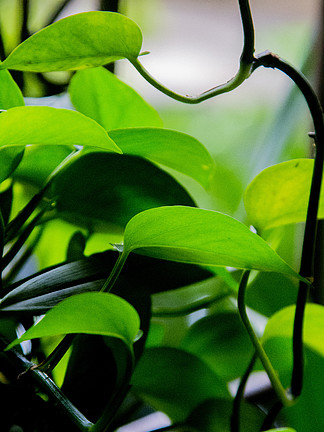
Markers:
point(284, 397)
point(115, 272)
point(48, 386)
point(236, 412)
point(244, 71)
point(271, 60)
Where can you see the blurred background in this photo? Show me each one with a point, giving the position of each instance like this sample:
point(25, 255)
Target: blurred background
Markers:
point(195, 45)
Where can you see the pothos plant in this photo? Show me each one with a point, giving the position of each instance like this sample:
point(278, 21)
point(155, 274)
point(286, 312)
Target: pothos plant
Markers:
point(117, 256)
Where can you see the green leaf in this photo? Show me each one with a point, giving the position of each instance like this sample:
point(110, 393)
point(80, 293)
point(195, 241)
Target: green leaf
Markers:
point(284, 429)
point(279, 195)
point(102, 188)
point(269, 292)
point(175, 381)
point(281, 325)
point(89, 313)
point(99, 94)
point(199, 236)
point(82, 40)
point(229, 348)
point(307, 414)
point(172, 149)
point(214, 415)
point(41, 291)
point(10, 94)
point(10, 158)
point(52, 126)
point(39, 162)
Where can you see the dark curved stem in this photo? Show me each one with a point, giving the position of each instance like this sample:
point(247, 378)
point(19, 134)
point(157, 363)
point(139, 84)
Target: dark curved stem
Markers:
point(307, 259)
point(235, 417)
point(271, 416)
point(246, 62)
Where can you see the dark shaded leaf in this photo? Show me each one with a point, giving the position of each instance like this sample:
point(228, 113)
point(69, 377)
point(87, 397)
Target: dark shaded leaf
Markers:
point(100, 189)
point(222, 342)
point(10, 158)
point(175, 381)
point(141, 275)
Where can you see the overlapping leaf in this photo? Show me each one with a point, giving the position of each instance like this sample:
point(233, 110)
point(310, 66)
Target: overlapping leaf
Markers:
point(105, 188)
point(200, 236)
point(229, 348)
point(10, 95)
point(279, 195)
point(38, 293)
point(99, 94)
point(52, 126)
point(167, 147)
point(88, 313)
point(82, 40)
point(186, 384)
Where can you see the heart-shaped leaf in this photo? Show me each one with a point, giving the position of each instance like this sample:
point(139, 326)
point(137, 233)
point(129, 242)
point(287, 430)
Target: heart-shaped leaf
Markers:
point(170, 148)
point(279, 195)
point(52, 126)
point(82, 40)
point(88, 313)
point(199, 236)
point(99, 94)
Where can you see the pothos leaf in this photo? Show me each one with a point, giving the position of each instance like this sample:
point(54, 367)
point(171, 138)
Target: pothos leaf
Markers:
point(78, 41)
point(193, 235)
point(88, 313)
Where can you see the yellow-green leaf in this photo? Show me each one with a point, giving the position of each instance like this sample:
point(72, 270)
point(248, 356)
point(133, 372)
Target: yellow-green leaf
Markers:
point(198, 236)
point(52, 126)
point(88, 313)
point(78, 41)
point(279, 195)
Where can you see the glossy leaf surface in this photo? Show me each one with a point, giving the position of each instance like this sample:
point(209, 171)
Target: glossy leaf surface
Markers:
point(200, 236)
point(279, 195)
point(186, 384)
point(99, 94)
point(169, 148)
point(102, 188)
point(78, 41)
point(88, 313)
point(52, 126)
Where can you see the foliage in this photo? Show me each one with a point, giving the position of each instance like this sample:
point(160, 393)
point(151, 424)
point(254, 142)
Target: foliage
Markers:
point(144, 294)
